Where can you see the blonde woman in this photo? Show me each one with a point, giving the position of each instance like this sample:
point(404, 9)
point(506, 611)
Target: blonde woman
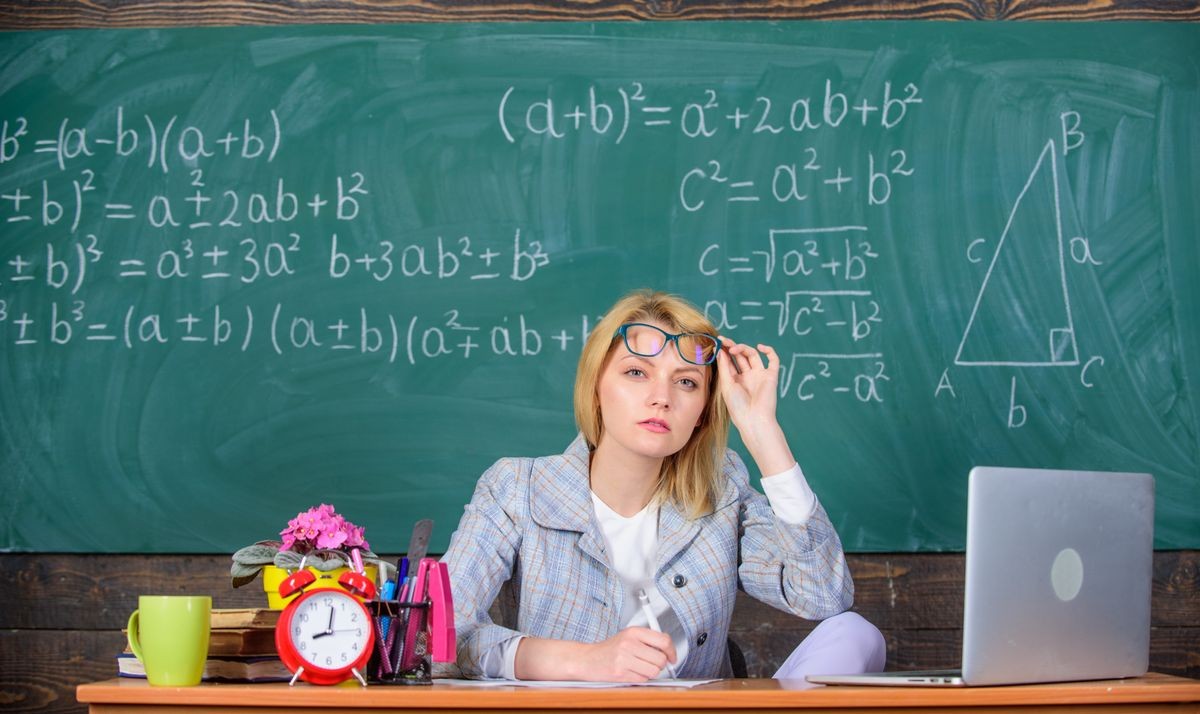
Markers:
point(625, 552)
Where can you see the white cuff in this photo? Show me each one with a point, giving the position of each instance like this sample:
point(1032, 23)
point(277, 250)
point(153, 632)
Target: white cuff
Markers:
point(509, 652)
point(500, 662)
point(790, 496)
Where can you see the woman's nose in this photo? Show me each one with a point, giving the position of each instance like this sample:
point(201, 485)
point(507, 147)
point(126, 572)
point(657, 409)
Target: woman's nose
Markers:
point(660, 395)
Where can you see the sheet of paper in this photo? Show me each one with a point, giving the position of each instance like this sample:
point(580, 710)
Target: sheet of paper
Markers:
point(541, 684)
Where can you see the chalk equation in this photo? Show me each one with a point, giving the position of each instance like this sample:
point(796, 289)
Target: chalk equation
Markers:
point(295, 327)
point(614, 112)
point(162, 143)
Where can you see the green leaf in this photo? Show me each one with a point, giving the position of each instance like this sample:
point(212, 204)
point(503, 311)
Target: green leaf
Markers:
point(243, 574)
point(259, 554)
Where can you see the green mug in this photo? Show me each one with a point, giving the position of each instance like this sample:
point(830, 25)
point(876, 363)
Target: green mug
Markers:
point(169, 634)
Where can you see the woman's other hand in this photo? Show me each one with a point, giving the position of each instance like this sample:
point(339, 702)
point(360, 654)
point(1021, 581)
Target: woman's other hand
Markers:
point(635, 654)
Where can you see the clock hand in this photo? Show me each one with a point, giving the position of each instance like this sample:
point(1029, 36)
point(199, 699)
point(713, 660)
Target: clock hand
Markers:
point(329, 629)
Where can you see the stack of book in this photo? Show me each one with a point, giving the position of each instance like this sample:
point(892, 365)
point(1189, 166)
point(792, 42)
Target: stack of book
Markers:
point(241, 648)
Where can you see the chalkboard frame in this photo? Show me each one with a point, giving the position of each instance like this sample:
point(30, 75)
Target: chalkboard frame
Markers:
point(57, 14)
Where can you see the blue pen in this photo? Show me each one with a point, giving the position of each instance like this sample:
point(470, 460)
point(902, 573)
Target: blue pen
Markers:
point(386, 594)
point(401, 573)
point(390, 589)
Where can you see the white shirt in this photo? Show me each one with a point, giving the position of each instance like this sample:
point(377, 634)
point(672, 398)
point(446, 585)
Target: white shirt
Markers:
point(633, 542)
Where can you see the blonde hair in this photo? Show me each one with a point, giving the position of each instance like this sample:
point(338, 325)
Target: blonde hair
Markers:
point(689, 478)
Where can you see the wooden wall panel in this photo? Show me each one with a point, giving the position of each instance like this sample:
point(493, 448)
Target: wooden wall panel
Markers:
point(39, 669)
point(46, 14)
point(62, 615)
point(895, 591)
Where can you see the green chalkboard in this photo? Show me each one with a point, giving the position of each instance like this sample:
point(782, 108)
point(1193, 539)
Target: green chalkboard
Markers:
point(245, 271)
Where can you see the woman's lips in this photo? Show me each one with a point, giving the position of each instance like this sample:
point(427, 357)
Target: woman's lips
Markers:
point(657, 426)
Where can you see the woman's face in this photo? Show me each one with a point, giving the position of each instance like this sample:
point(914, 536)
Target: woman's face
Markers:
point(651, 405)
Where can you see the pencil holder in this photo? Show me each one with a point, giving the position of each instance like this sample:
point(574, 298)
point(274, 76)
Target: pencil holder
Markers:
point(401, 653)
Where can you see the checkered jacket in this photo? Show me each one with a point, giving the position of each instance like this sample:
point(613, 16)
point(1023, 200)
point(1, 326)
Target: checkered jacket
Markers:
point(531, 520)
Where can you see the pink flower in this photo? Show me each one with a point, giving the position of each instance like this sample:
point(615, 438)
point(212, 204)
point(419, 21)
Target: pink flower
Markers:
point(331, 539)
point(321, 527)
point(354, 538)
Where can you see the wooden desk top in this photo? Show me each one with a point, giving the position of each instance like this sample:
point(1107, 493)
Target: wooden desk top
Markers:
point(725, 694)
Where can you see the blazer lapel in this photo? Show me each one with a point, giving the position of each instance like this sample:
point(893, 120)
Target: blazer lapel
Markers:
point(561, 498)
point(676, 532)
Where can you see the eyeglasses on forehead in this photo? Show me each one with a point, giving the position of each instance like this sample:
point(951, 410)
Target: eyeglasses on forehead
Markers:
point(649, 341)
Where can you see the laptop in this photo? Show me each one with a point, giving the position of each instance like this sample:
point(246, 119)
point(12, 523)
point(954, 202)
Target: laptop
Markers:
point(1059, 566)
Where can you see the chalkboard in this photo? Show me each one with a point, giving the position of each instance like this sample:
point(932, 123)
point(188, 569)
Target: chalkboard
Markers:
point(249, 270)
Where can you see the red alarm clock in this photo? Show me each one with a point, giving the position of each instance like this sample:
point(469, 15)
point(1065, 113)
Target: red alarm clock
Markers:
point(325, 635)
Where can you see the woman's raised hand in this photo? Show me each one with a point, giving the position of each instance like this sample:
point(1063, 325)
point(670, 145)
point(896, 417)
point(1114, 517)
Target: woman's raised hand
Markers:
point(750, 391)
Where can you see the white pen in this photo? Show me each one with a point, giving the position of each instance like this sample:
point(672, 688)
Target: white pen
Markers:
point(652, 621)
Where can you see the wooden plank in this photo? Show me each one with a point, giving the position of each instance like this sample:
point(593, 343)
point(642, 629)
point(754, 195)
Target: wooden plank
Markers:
point(1175, 594)
point(1173, 650)
point(1176, 650)
point(39, 669)
point(902, 590)
point(727, 694)
point(97, 592)
point(49, 14)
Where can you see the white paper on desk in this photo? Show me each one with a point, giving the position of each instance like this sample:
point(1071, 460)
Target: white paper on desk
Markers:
point(547, 684)
point(672, 683)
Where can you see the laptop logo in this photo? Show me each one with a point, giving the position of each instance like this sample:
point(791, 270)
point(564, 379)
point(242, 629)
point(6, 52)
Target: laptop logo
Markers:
point(1066, 575)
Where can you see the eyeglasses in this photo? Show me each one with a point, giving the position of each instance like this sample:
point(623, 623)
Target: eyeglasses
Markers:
point(648, 341)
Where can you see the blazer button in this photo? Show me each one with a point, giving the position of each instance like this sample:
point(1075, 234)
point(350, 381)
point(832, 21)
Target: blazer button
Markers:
point(702, 639)
point(680, 581)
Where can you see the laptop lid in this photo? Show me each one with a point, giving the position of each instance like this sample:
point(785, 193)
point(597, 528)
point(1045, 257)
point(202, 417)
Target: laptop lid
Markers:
point(1058, 572)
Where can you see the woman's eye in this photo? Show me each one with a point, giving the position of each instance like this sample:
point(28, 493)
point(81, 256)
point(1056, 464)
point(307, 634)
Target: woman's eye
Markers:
point(689, 383)
point(634, 372)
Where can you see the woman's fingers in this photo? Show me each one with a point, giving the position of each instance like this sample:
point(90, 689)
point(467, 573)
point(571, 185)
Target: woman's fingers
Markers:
point(743, 357)
point(645, 652)
point(661, 642)
point(746, 359)
point(772, 356)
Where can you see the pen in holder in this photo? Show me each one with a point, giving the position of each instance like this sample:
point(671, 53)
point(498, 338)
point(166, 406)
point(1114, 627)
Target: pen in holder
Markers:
point(402, 653)
point(414, 629)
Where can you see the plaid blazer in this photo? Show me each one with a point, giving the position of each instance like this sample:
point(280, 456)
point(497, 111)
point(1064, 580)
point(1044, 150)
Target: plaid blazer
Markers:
point(531, 521)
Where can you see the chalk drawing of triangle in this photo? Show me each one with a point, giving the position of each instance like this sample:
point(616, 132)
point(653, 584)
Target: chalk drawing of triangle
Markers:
point(1022, 314)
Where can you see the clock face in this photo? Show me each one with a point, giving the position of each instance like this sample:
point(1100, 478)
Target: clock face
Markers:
point(329, 630)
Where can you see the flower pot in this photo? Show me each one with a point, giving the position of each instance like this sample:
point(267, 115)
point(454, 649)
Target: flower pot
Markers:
point(274, 576)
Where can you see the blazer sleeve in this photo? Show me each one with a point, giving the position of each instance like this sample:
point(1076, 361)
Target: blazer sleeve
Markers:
point(799, 569)
point(481, 557)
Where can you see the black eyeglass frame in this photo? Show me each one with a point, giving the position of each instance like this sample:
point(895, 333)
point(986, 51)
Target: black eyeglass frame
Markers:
point(623, 333)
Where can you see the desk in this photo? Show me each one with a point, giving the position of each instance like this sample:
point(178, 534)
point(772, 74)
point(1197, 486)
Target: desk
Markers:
point(1152, 693)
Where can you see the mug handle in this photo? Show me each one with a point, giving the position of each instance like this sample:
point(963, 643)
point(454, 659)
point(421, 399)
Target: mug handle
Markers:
point(133, 636)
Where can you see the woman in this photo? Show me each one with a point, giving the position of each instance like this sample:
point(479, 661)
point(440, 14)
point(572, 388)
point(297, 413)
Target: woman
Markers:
point(626, 551)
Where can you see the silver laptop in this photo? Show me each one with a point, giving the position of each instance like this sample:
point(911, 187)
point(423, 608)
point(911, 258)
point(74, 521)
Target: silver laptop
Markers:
point(1059, 566)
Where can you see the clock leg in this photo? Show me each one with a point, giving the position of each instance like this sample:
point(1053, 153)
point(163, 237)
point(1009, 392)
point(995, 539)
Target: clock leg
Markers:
point(359, 677)
point(299, 671)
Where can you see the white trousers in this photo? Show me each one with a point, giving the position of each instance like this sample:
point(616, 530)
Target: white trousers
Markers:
point(842, 644)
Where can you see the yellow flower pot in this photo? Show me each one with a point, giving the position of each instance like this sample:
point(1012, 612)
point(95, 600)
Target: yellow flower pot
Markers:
point(274, 576)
